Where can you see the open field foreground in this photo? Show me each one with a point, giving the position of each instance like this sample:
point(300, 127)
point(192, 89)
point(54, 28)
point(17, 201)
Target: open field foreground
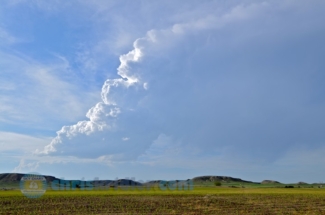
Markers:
point(198, 201)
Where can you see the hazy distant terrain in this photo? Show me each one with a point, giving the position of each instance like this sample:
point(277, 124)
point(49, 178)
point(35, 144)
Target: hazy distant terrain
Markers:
point(11, 180)
point(16, 177)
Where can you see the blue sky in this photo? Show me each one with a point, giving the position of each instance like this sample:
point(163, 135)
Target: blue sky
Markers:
point(163, 89)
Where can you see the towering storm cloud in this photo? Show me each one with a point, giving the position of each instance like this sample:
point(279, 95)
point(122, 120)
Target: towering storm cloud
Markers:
point(226, 85)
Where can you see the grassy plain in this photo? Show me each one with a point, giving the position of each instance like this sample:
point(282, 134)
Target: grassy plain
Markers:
point(200, 200)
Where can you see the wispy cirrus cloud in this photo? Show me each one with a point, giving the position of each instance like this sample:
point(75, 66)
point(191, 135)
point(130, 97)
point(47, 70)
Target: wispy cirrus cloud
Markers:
point(25, 143)
point(42, 92)
point(6, 38)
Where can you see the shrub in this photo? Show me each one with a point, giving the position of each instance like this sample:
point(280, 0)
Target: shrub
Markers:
point(217, 183)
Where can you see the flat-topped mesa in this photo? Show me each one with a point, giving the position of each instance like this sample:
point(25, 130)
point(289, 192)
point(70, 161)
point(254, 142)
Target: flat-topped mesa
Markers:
point(16, 177)
point(156, 182)
point(219, 178)
point(10, 177)
point(270, 182)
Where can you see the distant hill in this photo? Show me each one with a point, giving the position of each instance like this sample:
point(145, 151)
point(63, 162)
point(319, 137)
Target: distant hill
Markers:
point(270, 182)
point(15, 177)
point(302, 183)
point(219, 178)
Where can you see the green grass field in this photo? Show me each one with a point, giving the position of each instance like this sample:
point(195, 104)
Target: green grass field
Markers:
point(200, 200)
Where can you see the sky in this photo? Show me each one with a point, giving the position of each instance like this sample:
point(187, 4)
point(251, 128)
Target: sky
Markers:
point(163, 89)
